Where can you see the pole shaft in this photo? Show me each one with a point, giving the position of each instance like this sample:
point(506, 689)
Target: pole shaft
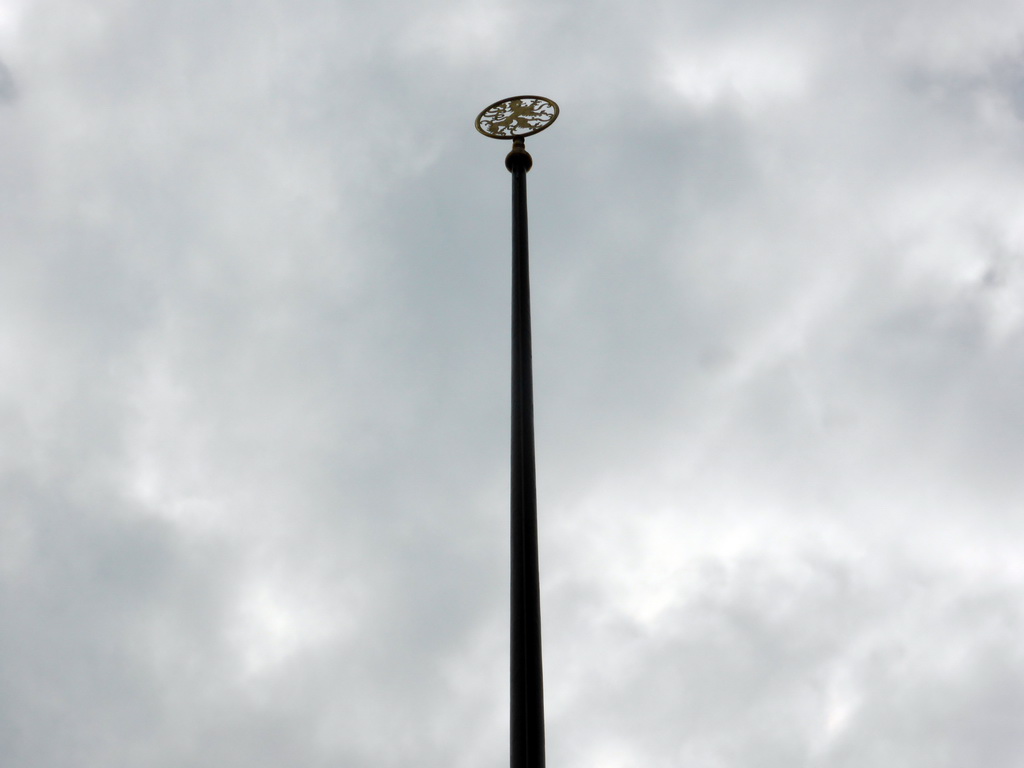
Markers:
point(526, 673)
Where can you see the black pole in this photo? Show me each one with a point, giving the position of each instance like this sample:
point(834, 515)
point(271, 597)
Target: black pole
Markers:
point(526, 673)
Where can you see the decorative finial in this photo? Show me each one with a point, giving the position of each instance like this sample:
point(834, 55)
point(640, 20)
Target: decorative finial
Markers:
point(517, 118)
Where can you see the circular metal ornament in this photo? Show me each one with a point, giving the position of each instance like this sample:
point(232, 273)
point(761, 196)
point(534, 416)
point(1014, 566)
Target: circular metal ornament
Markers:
point(517, 118)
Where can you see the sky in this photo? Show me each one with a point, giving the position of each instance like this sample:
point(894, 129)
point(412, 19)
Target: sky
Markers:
point(254, 382)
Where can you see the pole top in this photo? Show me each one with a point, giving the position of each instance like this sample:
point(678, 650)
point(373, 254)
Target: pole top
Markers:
point(517, 117)
point(518, 156)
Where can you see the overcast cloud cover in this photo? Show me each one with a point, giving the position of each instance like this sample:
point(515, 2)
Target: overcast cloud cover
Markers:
point(254, 382)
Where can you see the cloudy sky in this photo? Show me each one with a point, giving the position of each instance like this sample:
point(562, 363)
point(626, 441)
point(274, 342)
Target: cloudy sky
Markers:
point(254, 282)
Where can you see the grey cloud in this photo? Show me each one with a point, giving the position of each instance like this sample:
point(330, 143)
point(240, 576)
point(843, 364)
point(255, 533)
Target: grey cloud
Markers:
point(253, 404)
point(8, 90)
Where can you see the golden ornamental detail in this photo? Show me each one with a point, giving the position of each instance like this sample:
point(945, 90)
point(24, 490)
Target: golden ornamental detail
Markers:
point(518, 117)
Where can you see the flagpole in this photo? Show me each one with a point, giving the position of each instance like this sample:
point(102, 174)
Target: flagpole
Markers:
point(515, 119)
point(526, 668)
